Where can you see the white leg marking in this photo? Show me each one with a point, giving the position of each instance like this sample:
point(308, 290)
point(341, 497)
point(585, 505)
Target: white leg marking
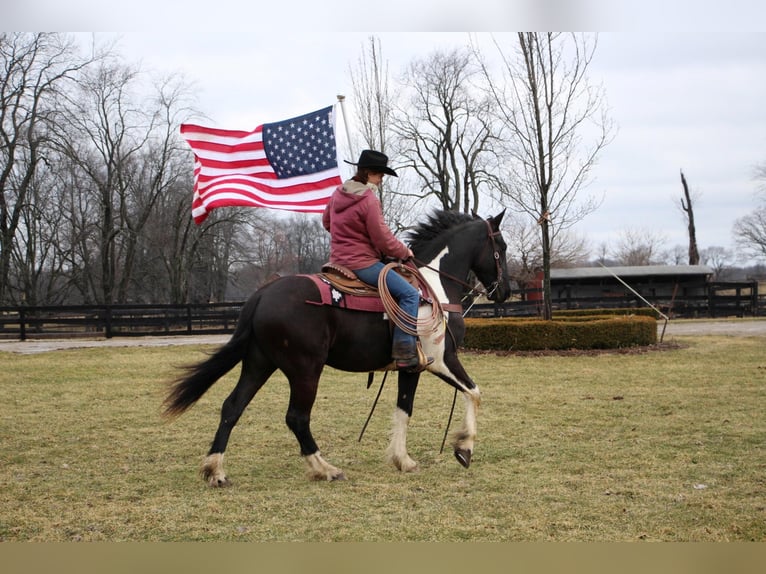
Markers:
point(319, 469)
point(397, 448)
point(212, 470)
point(464, 438)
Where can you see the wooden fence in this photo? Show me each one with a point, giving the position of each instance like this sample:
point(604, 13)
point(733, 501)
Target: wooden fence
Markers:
point(117, 320)
point(722, 299)
point(716, 299)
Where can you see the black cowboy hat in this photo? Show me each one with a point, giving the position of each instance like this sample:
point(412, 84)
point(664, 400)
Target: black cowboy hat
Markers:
point(374, 161)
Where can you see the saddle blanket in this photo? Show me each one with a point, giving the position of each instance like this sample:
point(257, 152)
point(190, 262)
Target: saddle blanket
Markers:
point(332, 296)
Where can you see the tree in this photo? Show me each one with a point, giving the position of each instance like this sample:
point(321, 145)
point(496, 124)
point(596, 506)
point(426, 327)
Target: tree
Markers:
point(719, 259)
point(372, 99)
point(373, 103)
point(37, 70)
point(126, 154)
point(445, 130)
point(750, 230)
point(676, 255)
point(688, 210)
point(547, 105)
point(525, 253)
point(40, 250)
point(638, 247)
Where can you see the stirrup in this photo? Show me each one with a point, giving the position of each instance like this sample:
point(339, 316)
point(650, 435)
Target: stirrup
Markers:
point(414, 364)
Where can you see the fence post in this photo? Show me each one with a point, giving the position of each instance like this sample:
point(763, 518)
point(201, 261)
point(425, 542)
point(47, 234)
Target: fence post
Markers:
point(188, 318)
point(22, 324)
point(108, 322)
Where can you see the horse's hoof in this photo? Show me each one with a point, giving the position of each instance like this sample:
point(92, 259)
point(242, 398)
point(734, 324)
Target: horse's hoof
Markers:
point(339, 476)
point(220, 483)
point(463, 456)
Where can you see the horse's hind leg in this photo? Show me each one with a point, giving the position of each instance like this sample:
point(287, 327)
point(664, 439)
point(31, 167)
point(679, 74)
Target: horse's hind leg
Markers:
point(254, 374)
point(302, 395)
point(397, 448)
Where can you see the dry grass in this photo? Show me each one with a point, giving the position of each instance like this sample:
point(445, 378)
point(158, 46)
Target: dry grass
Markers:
point(656, 446)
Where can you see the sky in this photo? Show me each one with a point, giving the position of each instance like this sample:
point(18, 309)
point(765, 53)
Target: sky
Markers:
point(685, 81)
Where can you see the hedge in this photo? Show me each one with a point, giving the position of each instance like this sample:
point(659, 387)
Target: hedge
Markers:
point(509, 334)
point(645, 311)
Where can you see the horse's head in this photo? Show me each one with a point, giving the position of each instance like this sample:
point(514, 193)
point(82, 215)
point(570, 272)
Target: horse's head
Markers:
point(456, 243)
point(491, 267)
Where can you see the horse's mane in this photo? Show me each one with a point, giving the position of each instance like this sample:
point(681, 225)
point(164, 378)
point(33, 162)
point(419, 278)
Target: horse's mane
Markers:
point(436, 224)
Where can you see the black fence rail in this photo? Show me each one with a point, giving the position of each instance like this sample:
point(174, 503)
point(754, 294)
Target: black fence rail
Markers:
point(720, 300)
point(117, 320)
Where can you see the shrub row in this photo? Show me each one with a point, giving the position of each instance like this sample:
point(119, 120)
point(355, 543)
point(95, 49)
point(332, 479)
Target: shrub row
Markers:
point(643, 311)
point(508, 334)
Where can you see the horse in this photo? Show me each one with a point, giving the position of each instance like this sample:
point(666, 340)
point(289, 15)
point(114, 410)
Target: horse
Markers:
point(284, 326)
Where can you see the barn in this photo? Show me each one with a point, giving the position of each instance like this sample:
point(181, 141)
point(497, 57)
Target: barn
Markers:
point(678, 288)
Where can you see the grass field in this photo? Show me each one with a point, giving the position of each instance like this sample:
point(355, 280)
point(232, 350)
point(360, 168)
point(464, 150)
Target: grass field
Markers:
point(664, 445)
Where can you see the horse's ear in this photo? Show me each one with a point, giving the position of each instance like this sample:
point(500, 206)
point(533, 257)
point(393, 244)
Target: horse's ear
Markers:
point(497, 219)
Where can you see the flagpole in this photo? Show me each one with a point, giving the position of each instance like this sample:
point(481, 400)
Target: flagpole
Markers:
point(341, 99)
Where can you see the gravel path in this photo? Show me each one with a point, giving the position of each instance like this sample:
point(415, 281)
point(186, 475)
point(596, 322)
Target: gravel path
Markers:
point(739, 327)
point(734, 327)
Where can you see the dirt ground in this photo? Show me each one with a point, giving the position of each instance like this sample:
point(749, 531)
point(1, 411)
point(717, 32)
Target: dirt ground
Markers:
point(733, 327)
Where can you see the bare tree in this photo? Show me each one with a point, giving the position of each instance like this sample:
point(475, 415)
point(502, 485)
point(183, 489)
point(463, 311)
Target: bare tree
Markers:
point(372, 98)
point(638, 247)
point(676, 255)
point(719, 259)
point(547, 105)
point(126, 154)
point(750, 231)
point(373, 103)
point(36, 70)
point(40, 250)
point(525, 253)
point(161, 164)
point(445, 130)
point(687, 208)
point(525, 258)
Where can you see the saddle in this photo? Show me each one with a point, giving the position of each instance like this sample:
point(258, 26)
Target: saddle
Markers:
point(346, 281)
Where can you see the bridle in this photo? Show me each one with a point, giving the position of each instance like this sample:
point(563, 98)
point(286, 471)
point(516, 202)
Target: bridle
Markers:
point(473, 290)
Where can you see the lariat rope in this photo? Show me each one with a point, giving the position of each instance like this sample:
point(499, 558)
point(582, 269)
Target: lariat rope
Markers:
point(406, 322)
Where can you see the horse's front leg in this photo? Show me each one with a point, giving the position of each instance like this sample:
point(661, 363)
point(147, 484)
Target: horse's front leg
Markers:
point(397, 448)
point(463, 439)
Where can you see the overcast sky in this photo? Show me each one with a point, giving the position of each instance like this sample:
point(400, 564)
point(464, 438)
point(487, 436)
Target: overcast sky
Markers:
point(685, 81)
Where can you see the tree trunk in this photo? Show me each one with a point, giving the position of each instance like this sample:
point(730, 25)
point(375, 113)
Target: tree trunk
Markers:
point(686, 205)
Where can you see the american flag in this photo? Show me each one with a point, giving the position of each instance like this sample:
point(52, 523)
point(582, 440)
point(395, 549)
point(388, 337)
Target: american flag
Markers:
point(290, 165)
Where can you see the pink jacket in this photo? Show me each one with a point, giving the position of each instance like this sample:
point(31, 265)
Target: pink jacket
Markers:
point(358, 235)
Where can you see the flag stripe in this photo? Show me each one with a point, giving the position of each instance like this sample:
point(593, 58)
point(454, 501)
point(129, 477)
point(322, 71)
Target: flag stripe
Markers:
point(236, 168)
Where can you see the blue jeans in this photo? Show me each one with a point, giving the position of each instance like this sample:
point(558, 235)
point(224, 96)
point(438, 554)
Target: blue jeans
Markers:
point(405, 294)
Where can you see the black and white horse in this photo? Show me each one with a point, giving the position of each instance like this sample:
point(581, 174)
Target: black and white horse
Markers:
point(279, 329)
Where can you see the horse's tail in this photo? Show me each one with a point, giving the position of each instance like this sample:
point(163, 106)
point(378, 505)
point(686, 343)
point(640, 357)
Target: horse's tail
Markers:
point(188, 388)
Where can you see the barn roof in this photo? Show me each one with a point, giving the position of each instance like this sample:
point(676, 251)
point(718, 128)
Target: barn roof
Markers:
point(633, 271)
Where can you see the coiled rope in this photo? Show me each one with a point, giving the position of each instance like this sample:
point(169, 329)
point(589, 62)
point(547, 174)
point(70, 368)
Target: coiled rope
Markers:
point(402, 319)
